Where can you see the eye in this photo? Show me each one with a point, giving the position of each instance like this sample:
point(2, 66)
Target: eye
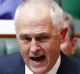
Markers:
point(43, 38)
point(25, 38)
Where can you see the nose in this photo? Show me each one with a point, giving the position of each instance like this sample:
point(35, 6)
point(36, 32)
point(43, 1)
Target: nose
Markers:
point(35, 48)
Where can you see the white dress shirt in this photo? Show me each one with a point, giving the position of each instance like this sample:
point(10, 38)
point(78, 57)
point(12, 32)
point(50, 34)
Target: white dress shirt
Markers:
point(52, 71)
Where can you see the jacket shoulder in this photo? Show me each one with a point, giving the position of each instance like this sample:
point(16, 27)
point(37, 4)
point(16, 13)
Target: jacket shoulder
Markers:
point(8, 62)
point(69, 65)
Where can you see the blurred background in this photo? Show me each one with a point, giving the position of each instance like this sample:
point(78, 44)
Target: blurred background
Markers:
point(8, 42)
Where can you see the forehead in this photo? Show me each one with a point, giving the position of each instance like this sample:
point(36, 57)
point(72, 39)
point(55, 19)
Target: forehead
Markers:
point(32, 12)
point(36, 26)
point(32, 17)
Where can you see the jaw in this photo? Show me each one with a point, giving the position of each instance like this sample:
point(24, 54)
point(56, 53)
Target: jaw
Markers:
point(38, 67)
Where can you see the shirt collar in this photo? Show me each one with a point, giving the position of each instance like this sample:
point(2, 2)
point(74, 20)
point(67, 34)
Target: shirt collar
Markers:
point(52, 71)
point(55, 67)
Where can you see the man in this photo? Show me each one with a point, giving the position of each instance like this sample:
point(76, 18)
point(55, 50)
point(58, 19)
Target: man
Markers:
point(70, 42)
point(39, 30)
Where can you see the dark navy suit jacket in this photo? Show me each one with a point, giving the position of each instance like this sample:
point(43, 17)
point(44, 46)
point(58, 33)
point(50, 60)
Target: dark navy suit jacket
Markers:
point(13, 64)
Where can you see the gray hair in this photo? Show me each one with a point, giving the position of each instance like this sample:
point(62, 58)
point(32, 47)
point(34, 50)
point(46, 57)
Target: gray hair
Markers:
point(55, 11)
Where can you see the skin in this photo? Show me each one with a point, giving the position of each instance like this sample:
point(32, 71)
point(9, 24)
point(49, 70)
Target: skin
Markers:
point(37, 36)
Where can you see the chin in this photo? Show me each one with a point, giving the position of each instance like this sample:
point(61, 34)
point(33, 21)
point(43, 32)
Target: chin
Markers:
point(40, 70)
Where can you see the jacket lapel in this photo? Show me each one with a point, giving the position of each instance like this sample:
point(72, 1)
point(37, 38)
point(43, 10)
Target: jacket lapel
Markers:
point(66, 66)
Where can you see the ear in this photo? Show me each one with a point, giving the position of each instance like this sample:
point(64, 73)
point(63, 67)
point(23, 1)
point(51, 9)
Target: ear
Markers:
point(64, 32)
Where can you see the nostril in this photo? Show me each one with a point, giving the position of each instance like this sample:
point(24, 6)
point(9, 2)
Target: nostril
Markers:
point(35, 49)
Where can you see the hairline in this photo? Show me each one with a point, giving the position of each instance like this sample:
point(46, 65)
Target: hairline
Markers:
point(55, 12)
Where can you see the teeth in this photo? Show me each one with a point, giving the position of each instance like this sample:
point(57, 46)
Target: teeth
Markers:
point(39, 58)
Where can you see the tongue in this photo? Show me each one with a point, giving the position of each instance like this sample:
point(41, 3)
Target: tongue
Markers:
point(40, 58)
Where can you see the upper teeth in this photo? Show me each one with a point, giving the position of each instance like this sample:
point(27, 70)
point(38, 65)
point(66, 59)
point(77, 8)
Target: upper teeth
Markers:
point(39, 58)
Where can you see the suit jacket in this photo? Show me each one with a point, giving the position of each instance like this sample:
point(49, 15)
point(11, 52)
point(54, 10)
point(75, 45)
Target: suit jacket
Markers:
point(13, 64)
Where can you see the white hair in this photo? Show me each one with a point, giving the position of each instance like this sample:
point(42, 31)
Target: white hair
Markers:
point(55, 11)
point(57, 15)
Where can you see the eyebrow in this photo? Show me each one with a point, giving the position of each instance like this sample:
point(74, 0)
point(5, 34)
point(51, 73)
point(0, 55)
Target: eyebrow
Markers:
point(22, 36)
point(37, 35)
point(44, 34)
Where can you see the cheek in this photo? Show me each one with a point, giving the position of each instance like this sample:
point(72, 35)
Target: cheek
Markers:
point(24, 49)
point(54, 45)
point(52, 51)
point(52, 48)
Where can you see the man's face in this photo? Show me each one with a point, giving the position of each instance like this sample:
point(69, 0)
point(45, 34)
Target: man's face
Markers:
point(38, 39)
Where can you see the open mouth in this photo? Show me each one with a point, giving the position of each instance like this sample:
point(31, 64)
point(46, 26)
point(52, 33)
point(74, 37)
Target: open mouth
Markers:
point(38, 58)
